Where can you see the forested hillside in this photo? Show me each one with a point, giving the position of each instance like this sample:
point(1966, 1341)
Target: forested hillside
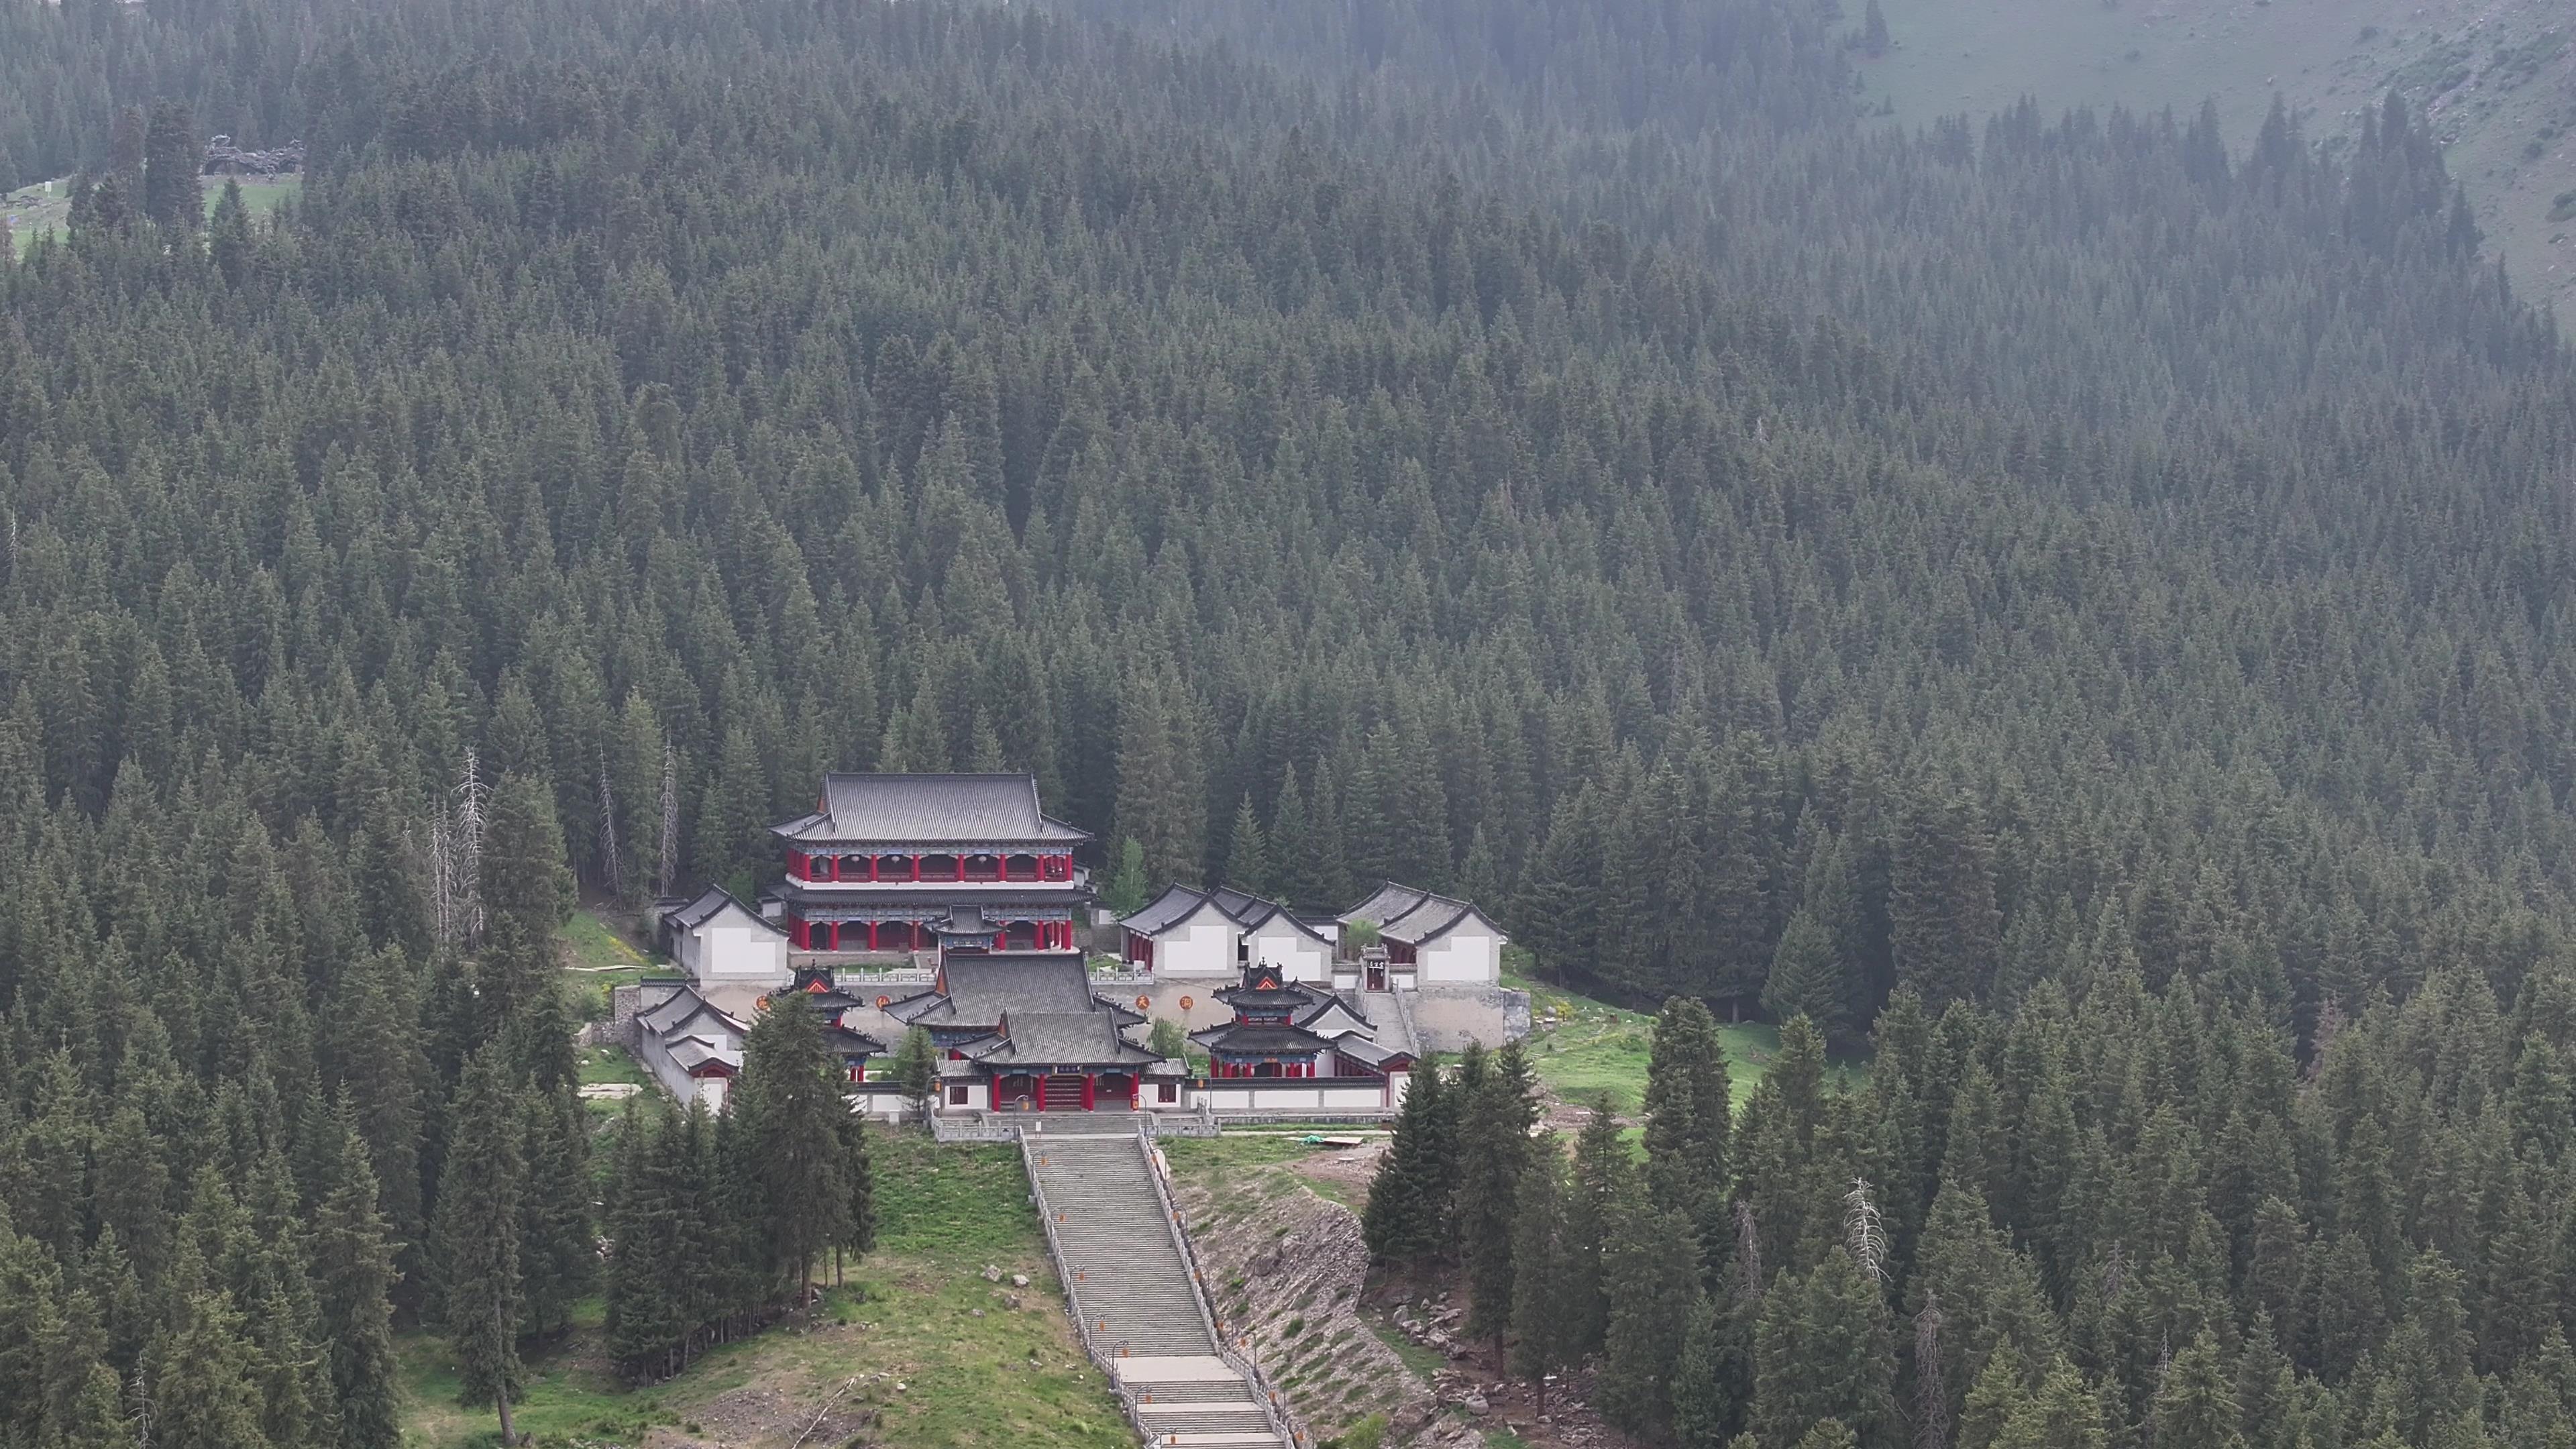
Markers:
point(1544, 450)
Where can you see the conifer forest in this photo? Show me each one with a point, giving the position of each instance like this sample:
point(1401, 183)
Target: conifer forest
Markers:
point(2077, 610)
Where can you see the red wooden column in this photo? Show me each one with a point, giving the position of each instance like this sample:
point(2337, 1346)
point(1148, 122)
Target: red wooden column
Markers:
point(801, 934)
point(916, 870)
point(875, 862)
point(1090, 1090)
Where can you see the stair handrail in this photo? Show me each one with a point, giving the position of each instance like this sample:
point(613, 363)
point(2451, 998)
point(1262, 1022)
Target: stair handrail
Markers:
point(1063, 1266)
point(1264, 1397)
point(1412, 1033)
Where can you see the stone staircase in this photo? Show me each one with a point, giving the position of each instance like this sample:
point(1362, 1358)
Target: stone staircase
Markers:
point(1394, 1024)
point(1134, 1300)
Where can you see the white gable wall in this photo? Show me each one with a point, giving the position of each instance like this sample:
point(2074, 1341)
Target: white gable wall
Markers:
point(1201, 945)
point(1469, 955)
point(734, 948)
point(1298, 956)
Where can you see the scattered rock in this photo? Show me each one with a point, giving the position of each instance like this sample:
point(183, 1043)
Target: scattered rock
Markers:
point(1477, 1403)
point(992, 1274)
point(1019, 1280)
point(975, 1312)
point(1010, 1300)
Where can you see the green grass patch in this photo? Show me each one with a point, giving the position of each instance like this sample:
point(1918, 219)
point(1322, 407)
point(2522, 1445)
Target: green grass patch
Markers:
point(1583, 1049)
point(1424, 1362)
point(597, 960)
point(910, 1311)
point(35, 210)
point(610, 1064)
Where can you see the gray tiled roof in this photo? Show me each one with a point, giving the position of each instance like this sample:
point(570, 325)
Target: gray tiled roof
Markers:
point(711, 902)
point(931, 810)
point(1366, 1052)
point(684, 1007)
point(1177, 902)
point(1404, 913)
point(1039, 1038)
point(1165, 911)
point(982, 988)
point(1281, 1041)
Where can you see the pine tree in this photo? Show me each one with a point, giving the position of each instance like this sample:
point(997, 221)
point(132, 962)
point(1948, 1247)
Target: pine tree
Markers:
point(1406, 1220)
point(1651, 1275)
point(1712, 1379)
point(859, 1191)
point(1542, 1324)
point(476, 1235)
point(229, 237)
point(1604, 1177)
point(645, 1311)
point(557, 1245)
point(173, 154)
point(788, 1107)
point(1247, 854)
point(1820, 1352)
point(1689, 1116)
point(1494, 1151)
point(1948, 934)
point(916, 1066)
point(204, 1376)
point(2195, 1406)
point(1806, 979)
point(353, 1275)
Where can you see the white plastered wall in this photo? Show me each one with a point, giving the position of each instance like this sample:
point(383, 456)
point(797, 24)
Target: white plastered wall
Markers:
point(1467, 956)
point(1298, 956)
point(1200, 946)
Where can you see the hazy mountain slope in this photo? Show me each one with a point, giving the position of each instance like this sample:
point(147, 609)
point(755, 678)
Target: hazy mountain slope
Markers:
point(2498, 77)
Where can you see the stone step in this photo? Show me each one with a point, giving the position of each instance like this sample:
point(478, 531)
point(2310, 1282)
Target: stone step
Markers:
point(1160, 1418)
point(1228, 1390)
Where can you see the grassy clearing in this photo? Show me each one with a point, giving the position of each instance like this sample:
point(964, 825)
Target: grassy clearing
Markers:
point(1583, 1049)
point(597, 960)
point(1241, 1171)
point(1008, 1377)
point(35, 210)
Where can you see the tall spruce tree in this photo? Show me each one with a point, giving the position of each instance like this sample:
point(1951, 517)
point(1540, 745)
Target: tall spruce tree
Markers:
point(1543, 1325)
point(1494, 1151)
point(477, 1233)
point(353, 1275)
point(1406, 1221)
point(1821, 1352)
point(1651, 1275)
point(1605, 1177)
point(1689, 1116)
point(788, 1107)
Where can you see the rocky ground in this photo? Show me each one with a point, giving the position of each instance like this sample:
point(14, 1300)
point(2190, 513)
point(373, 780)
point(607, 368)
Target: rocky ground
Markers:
point(1281, 1242)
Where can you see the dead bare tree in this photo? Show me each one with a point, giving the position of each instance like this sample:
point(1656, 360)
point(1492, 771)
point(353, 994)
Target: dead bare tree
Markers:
point(1864, 1232)
point(1748, 1249)
point(1931, 1387)
point(670, 862)
point(616, 872)
point(458, 860)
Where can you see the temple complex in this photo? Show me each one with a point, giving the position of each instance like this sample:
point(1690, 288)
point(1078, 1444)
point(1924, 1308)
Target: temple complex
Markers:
point(954, 904)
